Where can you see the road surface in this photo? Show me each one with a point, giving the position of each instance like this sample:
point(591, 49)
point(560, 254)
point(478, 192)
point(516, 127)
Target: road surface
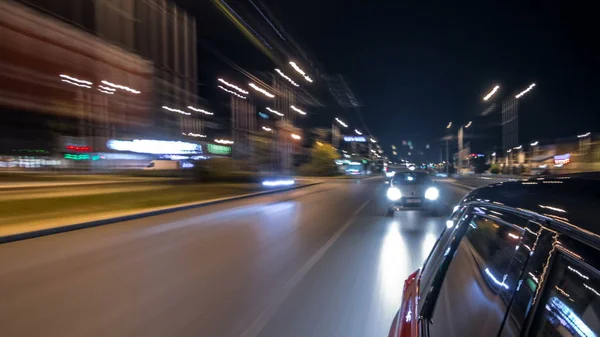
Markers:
point(317, 261)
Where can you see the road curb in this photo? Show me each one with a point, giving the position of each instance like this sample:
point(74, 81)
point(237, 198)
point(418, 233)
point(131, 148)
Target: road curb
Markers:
point(165, 210)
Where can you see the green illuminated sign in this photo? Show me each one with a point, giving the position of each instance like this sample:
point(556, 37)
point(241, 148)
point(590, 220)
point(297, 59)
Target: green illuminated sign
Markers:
point(219, 149)
point(77, 156)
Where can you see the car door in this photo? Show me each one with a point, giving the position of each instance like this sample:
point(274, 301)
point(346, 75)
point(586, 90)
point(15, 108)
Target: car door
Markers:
point(566, 300)
point(482, 277)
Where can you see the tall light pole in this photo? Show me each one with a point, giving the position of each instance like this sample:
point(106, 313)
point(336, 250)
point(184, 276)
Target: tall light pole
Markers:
point(510, 119)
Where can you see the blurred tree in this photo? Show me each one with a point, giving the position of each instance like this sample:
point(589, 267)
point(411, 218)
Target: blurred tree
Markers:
point(263, 153)
point(322, 161)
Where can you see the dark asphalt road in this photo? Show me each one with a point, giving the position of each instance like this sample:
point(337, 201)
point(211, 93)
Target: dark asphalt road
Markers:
point(318, 261)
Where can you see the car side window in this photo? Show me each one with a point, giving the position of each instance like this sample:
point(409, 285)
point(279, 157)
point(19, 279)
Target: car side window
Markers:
point(570, 305)
point(433, 261)
point(481, 279)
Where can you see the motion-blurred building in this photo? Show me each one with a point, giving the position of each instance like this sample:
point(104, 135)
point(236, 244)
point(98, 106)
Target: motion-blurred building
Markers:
point(96, 69)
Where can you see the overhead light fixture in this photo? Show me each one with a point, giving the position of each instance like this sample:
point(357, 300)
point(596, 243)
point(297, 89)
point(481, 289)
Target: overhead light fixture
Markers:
point(468, 124)
point(273, 111)
point(357, 132)
point(261, 90)
point(535, 143)
point(491, 93)
point(76, 80)
point(177, 110)
point(231, 92)
point(122, 87)
point(525, 91)
point(300, 71)
point(106, 88)
point(297, 110)
point(233, 86)
point(449, 125)
point(191, 134)
point(341, 123)
point(584, 135)
point(200, 110)
point(223, 141)
point(286, 77)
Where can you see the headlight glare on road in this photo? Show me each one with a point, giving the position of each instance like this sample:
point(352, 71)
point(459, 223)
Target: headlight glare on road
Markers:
point(393, 193)
point(271, 183)
point(432, 193)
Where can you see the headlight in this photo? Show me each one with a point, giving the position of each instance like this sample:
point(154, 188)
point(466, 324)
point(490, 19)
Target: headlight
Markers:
point(390, 174)
point(432, 193)
point(393, 193)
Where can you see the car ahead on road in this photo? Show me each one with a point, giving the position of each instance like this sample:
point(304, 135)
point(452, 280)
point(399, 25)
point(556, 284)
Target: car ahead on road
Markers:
point(516, 258)
point(410, 189)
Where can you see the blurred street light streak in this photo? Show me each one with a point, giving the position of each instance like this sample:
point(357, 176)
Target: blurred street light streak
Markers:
point(535, 143)
point(75, 79)
point(268, 21)
point(106, 88)
point(300, 71)
point(191, 134)
point(286, 77)
point(118, 86)
point(231, 92)
point(358, 132)
point(200, 110)
point(449, 125)
point(297, 110)
point(233, 86)
point(295, 136)
point(341, 123)
point(584, 135)
point(267, 129)
point(273, 111)
point(261, 90)
point(237, 19)
point(106, 92)
point(374, 141)
point(77, 84)
point(177, 110)
point(468, 125)
point(223, 141)
point(491, 93)
point(525, 91)
point(518, 147)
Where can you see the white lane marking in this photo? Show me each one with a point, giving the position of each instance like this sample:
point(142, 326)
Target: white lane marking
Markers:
point(279, 298)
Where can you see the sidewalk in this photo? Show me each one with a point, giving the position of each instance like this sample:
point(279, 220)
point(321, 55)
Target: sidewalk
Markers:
point(39, 214)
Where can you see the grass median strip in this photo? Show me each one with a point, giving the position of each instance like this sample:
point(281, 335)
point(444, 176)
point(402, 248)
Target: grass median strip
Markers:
point(14, 212)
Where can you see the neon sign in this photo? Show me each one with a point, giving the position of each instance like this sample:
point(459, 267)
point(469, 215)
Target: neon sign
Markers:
point(562, 159)
point(219, 149)
point(359, 139)
point(79, 148)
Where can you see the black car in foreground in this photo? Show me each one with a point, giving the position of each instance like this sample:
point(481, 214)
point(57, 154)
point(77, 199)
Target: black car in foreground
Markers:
point(515, 259)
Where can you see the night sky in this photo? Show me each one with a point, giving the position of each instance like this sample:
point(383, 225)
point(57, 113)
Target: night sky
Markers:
point(414, 67)
point(417, 66)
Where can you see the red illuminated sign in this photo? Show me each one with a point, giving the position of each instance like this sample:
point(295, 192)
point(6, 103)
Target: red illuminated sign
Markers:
point(79, 148)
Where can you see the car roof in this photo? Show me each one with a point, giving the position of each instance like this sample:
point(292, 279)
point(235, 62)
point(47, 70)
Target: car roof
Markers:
point(568, 199)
